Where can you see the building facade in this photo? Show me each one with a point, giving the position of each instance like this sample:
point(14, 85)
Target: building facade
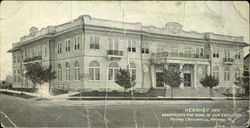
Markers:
point(87, 52)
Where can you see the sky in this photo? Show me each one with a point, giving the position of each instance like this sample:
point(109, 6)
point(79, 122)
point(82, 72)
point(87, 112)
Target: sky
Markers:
point(17, 17)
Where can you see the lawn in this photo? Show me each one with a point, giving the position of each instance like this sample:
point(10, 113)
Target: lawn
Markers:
point(17, 95)
point(109, 94)
point(23, 89)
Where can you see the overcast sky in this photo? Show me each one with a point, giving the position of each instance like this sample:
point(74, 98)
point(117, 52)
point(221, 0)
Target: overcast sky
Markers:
point(229, 18)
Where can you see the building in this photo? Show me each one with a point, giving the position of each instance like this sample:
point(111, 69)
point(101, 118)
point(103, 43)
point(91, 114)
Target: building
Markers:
point(247, 62)
point(87, 52)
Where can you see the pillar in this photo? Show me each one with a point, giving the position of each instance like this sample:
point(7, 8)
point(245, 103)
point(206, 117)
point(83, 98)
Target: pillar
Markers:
point(208, 70)
point(152, 69)
point(182, 76)
point(195, 77)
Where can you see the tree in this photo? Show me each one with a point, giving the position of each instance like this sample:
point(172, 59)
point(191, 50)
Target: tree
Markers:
point(125, 80)
point(171, 78)
point(244, 81)
point(209, 81)
point(38, 74)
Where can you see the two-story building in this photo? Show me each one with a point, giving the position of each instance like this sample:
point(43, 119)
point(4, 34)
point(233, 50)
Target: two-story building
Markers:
point(87, 52)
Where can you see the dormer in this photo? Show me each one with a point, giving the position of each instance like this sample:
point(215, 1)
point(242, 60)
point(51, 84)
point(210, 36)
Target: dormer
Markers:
point(33, 31)
point(174, 27)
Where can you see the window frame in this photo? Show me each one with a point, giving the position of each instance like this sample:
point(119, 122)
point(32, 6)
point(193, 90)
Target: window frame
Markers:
point(114, 70)
point(77, 71)
point(216, 72)
point(77, 42)
point(94, 42)
point(145, 48)
point(67, 71)
point(226, 74)
point(215, 52)
point(132, 69)
point(95, 70)
point(68, 41)
point(131, 45)
point(59, 72)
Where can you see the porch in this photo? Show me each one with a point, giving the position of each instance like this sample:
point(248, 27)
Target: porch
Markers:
point(191, 71)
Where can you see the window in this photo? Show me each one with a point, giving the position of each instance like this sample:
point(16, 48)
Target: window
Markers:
point(145, 48)
point(216, 53)
point(19, 78)
point(132, 69)
point(67, 71)
point(77, 70)
point(131, 46)
point(113, 70)
point(59, 47)
point(216, 72)
point(67, 45)
point(14, 58)
point(113, 44)
point(18, 58)
point(14, 75)
point(237, 55)
point(227, 53)
point(59, 72)
point(94, 42)
point(226, 74)
point(237, 73)
point(94, 70)
point(45, 49)
point(200, 52)
point(187, 52)
point(77, 42)
point(38, 50)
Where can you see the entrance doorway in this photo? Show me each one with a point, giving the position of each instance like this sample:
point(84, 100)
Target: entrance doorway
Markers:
point(187, 79)
point(187, 75)
point(159, 80)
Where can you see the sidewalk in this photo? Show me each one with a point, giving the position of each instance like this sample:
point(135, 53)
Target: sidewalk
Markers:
point(19, 92)
point(66, 96)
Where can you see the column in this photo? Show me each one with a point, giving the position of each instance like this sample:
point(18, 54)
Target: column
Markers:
point(208, 70)
point(195, 76)
point(152, 69)
point(182, 76)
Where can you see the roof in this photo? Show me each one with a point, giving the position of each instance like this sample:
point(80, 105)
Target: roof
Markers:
point(247, 56)
point(170, 29)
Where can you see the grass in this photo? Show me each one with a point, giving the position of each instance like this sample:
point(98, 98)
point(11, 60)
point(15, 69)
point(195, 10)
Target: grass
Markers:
point(23, 89)
point(17, 95)
point(110, 94)
point(59, 91)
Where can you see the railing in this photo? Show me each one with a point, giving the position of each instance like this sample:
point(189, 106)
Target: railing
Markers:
point(178, 55)
point(32, 59)
point(115, 52)
point(228, 60)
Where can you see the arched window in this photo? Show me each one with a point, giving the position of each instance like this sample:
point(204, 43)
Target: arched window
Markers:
point(112, 70)
point(77, 70)
point(226, 74)
point(67, 71)
point(237, 73)
point(94, 70)
point(132, 69)
point(59, 72)
point(216, 72)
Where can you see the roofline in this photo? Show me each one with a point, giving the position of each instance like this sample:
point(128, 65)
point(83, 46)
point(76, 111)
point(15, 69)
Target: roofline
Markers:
point(202, 36)
point(246, 56)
